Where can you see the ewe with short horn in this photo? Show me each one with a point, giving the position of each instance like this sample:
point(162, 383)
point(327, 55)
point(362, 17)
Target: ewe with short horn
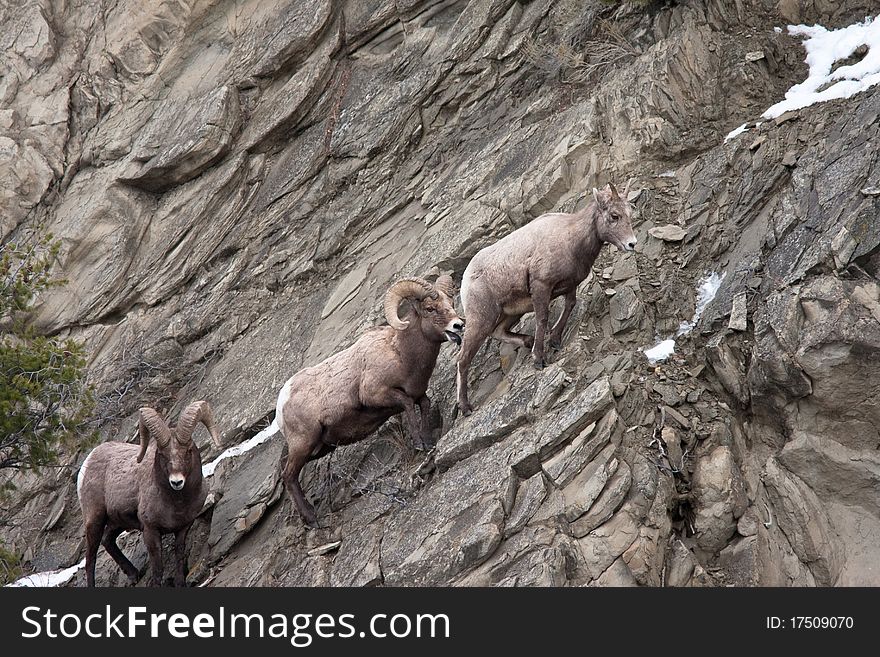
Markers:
point(346, 397)
point(524, 271)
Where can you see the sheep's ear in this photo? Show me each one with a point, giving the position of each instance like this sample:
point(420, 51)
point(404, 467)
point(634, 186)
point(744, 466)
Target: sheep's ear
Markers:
point(599, 200)
point(445, 284)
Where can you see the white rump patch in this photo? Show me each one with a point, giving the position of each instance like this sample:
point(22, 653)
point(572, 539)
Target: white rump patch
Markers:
point(81, 476)
point(283, 397)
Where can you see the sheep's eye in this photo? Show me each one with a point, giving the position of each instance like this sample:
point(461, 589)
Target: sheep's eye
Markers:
point(614, 217)
point(431, 309)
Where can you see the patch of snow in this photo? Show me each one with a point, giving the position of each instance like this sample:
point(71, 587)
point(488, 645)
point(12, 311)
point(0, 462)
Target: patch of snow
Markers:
point(778, 30)
point(50, 577)
point(707, 288)
point(241, 448)
point(736, 132)
point(661, 351)
point(825, 48)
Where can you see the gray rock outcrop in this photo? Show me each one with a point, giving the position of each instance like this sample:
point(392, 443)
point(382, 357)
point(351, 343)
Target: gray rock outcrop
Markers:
point(236, 185)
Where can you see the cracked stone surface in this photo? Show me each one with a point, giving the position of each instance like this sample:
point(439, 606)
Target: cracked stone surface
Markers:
point(235, 186)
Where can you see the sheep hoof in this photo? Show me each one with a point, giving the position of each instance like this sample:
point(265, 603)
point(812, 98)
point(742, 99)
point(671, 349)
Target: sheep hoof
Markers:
point(528, 342)
point(423, 445)
point(539, 364)
point(425, 468)
point(555, 343)
point(466, 409)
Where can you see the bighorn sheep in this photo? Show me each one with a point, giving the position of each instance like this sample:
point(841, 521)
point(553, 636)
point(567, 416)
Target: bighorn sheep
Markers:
point(349, 395)
point(157, 488)
point(524, 271)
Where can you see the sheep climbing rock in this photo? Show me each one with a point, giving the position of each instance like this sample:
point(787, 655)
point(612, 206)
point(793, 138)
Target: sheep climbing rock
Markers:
point(156, 487)
point(524, 271)
point(349, 395)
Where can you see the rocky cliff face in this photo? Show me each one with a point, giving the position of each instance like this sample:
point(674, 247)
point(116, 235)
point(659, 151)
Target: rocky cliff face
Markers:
point(236, 183)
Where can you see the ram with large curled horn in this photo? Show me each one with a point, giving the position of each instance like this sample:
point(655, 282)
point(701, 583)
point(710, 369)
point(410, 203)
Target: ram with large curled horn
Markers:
point(156, 487)
point(346, 397)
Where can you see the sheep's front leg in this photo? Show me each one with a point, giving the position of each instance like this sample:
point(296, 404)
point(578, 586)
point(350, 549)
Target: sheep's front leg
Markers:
point(478, 327)
point(180, 556)
point(412, 421)
point(559, 326)
point(425, 414)
point(397, 398)
point(153, 541)
point(541, 301)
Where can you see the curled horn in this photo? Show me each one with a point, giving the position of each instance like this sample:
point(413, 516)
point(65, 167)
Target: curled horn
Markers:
point(626, 188)
point(445, 284)
point(152, 424)
point(196, 412)
point(614, 195)
point(417, 288)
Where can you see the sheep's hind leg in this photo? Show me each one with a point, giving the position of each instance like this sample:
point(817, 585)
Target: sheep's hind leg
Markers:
point(476, 330)
point(559, 326)
point(94, 530)
point(113, 550)
point(541, 302)
point(298, 455)
point(502, 332)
